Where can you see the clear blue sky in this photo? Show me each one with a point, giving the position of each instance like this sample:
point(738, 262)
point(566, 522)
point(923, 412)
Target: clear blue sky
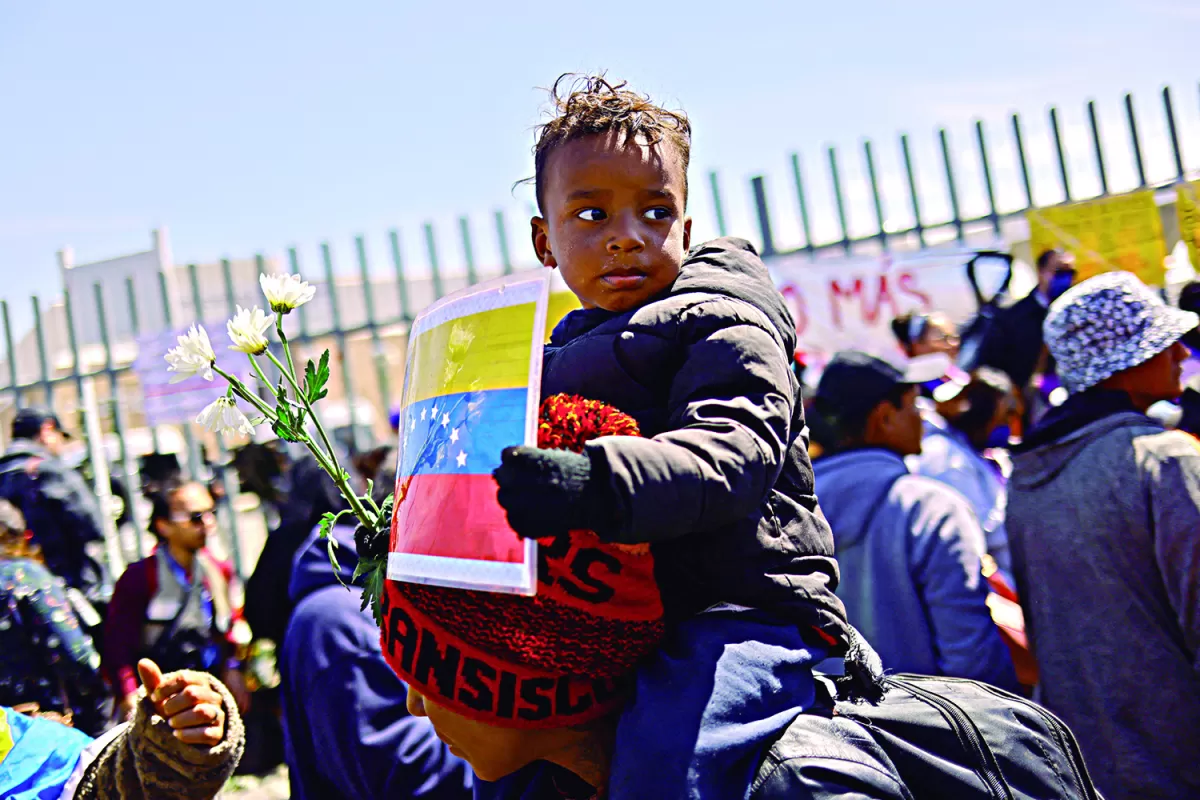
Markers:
point(249, 127)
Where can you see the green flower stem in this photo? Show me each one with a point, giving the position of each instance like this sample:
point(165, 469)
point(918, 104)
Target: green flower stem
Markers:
point(290, 374)
point(242, 392)
point(337, 472)
point(287, 347)
point(258, 371)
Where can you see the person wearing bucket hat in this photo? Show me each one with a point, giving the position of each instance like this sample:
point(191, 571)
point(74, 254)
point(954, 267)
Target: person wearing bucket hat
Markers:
point(1104, 525)
point(910, 547)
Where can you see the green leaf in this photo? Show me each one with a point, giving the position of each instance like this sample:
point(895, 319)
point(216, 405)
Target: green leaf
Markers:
point(256, 421)
point(324, 528)
point(315, 378)
point(385, 508)
point(372, 593)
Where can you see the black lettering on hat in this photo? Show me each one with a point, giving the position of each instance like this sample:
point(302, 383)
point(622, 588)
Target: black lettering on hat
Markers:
point(593, 589)
point(562, 699)
point(536, 692)
point(475, 693)
point(508, 695)
point(402, 631)
point(557, 549)
point(443, 666)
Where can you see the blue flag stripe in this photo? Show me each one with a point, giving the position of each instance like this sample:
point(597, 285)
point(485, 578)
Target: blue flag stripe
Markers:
point(461, 434)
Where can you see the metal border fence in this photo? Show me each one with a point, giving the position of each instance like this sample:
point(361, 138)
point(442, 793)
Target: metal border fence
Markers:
point(373, 327)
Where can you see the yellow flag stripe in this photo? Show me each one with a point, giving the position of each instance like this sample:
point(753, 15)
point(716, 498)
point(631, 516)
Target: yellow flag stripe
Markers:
point(475, 353)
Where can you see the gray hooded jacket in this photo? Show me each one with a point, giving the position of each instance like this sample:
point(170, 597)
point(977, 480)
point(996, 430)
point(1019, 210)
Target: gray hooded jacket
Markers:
point(1104, 524)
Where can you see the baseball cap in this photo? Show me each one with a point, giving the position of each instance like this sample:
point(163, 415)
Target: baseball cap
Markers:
point(1108, 324)
point(29, 420)
point(854, 382)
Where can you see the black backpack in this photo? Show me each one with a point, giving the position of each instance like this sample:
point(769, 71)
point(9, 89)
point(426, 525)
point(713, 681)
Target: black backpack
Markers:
point(960, 739)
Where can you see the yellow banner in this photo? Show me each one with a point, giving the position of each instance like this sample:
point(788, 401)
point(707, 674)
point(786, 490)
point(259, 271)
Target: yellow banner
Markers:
point(1187, 205)
point(1107, 234)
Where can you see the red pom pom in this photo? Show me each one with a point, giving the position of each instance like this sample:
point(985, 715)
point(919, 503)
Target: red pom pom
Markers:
point(567, 422)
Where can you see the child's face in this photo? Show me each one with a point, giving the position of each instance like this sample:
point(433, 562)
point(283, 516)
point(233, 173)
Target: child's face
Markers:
point(614, 220)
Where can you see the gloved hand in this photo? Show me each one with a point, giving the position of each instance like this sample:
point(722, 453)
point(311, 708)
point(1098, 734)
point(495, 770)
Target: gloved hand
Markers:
point(550, 492)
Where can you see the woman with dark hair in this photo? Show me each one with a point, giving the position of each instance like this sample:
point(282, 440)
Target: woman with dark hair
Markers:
point(920, 334)
point(972, 420)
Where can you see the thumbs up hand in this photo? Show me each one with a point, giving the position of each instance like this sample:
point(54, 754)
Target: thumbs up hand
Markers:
point(187, 701)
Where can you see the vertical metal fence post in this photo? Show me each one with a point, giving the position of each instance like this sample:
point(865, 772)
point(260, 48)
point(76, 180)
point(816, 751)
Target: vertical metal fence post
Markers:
point(231, 487)
point(1094, 124)
point(135, 329)
point(73, 343)
point(718, 208)
point(464, 229)
point(913, 195)
point(133, 482)
point(1062, 156)
point(381, 376)
point(875, 192)
point(1134, 140)
point(1019, 141)
point(985, 163)
point(950, 185)
point(343, 351)
point(401, 282)
point(803, 202)
point(10, 356)
point(502, 242)
point(434, 268)
point(837, 196)
point(43, 366)
point(192, 461)
point(764, 216)
point(1172, 132)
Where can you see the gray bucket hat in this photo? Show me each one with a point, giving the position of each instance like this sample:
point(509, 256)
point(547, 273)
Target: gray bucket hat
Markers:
point(1108, 324)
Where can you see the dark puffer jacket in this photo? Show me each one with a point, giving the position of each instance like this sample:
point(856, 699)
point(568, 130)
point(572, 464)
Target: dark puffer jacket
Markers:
point(723, 488)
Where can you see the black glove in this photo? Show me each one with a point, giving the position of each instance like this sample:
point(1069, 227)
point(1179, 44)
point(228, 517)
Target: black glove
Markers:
point(551, 492)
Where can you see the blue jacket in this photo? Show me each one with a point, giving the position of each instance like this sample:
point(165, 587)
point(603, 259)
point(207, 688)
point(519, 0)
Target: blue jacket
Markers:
point(710, 718)
point(947, 456)
point(347, 731)
point(909, 550)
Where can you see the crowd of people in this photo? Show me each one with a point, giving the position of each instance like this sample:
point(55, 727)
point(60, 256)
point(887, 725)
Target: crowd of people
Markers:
point(711, 582)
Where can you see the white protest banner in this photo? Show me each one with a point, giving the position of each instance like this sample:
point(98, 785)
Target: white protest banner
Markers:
point(849, 303)
point(472, 387)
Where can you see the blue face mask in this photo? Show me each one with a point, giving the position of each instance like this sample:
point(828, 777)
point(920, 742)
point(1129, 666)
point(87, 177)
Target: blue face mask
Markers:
point(998, 437)
point(1060, 283)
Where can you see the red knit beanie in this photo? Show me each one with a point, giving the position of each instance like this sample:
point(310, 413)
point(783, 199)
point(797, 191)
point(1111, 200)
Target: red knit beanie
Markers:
point(548, 661)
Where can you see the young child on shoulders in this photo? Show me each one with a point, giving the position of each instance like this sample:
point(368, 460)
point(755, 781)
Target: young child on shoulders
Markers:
point(696, 344)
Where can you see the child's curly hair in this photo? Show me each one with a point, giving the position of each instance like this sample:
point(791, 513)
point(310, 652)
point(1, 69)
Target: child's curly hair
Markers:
point(585, 105)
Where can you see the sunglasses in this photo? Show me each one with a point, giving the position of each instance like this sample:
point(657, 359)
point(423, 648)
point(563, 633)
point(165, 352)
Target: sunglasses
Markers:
point(196, 518)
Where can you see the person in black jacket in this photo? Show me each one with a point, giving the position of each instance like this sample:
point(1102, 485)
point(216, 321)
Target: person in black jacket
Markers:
point(1015, 344)
point(695, 344)
point(59, 508)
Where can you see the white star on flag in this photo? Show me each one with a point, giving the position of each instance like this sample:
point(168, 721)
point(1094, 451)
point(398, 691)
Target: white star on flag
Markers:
point(412, 424)
point(461, 458)
point(454, 436)
point(445, 420)
point(433, 411)
point(422, 415)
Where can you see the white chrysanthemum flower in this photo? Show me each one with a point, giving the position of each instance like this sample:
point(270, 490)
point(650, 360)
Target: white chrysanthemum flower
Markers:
point(223, 415)
point(193, 356)
point(247, 330)
point(285, 291)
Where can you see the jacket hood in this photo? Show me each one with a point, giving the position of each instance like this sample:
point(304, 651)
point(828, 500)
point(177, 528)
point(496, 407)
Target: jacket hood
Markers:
point(727, 266)
point(851, 485)
point(1037, 464)
point(18, 448)
point(311, 569)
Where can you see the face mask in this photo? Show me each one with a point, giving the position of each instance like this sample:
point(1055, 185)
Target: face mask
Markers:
point(1060, 283)
point(998, 437)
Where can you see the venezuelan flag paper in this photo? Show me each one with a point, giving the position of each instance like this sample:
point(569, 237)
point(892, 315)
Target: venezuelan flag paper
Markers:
point(471, 388)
